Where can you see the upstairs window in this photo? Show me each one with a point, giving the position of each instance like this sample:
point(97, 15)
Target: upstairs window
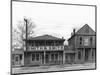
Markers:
point(80, 40)
point(91, 40)
point(86, 41)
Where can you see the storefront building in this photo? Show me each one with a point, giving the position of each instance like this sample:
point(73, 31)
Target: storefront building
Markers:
point(50, 50)
point(84, 43)
point(44, 50)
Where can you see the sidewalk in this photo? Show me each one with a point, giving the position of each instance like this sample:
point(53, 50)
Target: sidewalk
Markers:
point(53, 68)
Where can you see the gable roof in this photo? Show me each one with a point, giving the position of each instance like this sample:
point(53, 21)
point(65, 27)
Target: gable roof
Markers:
point(85, 30)
point(45, 37)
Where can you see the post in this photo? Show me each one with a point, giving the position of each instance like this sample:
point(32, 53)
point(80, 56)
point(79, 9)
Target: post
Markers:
point(23, 59)
point(90, 55)
point(63, 57)
point(76, 56)
point(83, 55)
point(44, 57)
point(26, 38)
point(26, 32)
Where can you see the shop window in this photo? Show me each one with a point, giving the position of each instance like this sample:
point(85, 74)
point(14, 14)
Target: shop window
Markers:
point(56, 56)
point(52, 57)
point(37, 57)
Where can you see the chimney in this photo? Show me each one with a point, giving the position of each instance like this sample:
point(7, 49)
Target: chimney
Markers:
point(74, 31)
point(62, 37)
point(71, 34)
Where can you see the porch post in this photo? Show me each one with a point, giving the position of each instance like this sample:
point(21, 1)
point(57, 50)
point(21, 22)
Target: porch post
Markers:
point(63, 57)
point(90, 55)
point(83, 55)
point(23, 59)
point(44, 57)
point(76, 56)
point(58, 57)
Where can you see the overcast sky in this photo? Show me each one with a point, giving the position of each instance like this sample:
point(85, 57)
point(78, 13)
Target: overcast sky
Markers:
point(54, 19)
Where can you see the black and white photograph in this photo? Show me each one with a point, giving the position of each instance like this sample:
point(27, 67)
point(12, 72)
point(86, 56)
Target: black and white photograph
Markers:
point(52, 37)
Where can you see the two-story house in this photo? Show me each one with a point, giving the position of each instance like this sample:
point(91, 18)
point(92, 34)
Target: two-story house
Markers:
point(84, 44)
point(44, 50)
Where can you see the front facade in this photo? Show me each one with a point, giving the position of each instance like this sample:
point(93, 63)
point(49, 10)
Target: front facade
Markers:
point(49, 50)
point(44, 50)
point(84, 43)
point(17, 57)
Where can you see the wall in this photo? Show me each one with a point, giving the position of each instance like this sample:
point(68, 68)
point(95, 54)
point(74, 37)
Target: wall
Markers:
point(77, 43)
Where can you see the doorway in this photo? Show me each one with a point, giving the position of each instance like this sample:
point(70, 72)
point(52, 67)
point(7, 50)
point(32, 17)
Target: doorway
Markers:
point(17, 60)
point(87, 54)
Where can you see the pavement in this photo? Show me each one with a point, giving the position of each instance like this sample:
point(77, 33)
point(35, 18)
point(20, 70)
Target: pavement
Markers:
point(19, 70)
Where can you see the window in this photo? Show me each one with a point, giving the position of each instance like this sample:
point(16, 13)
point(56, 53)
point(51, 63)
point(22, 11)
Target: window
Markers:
point(37, 57)
point(32, 45)
point(20, 57)
point(80, 40)
point(91, 40)
point(16, 59)
point(79, 55)
point(56, 57)
point(52, 57)
point(12, 56)
point(33, 57)
point(86, 41)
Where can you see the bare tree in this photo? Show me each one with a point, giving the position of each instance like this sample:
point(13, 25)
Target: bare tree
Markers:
point(18, 34)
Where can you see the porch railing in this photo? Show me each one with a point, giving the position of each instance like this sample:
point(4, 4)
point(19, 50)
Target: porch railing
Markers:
point(31, 48)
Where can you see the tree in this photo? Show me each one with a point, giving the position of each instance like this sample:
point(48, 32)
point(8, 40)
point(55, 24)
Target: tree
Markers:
point(18, 33)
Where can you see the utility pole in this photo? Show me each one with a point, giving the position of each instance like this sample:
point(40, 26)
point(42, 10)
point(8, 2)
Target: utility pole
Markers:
point(26, 32)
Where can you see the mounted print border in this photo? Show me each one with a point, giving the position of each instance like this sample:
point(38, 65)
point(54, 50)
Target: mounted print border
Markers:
point(48, 53)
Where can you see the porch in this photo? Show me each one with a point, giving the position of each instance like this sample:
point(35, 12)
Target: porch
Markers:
point(85, 55)
point(43, 58)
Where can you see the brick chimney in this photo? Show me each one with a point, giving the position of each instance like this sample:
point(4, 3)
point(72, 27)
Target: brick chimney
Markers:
point(74, 31)
point(62, 37)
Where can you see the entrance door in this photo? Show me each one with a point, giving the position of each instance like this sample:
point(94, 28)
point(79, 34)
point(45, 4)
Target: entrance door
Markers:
point(54, 58)
point(36, 59)
point(86, 54)
point(47, 58)
point(17, 60)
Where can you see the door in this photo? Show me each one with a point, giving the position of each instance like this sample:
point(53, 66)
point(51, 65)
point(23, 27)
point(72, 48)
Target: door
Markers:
point(35, 58)
point(47, 58)
point(86, 54)
point(17, 60)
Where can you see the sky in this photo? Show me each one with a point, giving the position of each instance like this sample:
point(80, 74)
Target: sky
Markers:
point(54, 19)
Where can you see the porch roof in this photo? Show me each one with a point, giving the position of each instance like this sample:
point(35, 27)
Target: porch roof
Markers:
point(69, 51)
point(17, 51)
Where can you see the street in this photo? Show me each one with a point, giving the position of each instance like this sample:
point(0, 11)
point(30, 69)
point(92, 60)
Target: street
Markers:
point(66, 67)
